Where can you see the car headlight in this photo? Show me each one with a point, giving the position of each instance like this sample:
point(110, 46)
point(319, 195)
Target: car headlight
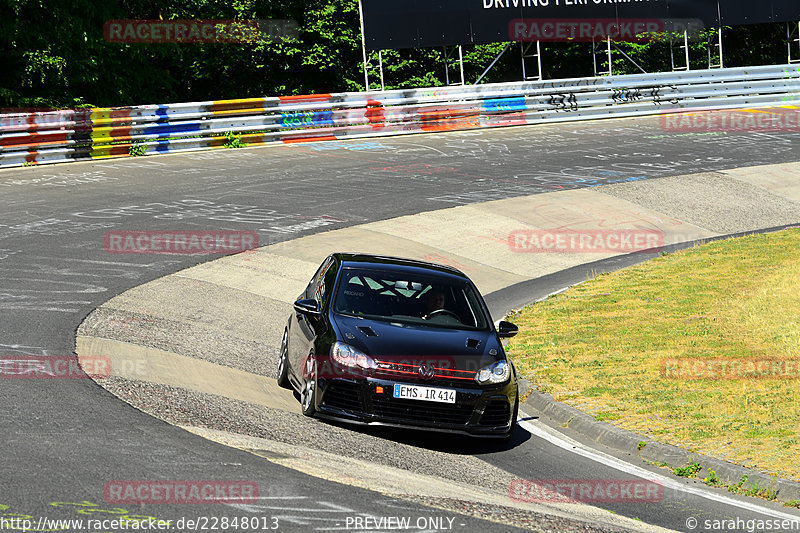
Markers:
point(495, 373)
point(346, 355)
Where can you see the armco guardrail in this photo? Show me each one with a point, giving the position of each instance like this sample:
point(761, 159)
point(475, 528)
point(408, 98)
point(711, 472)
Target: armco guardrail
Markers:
point(68, 135)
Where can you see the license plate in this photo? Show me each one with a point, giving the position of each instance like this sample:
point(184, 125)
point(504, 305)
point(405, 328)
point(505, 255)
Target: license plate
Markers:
point(428, 394)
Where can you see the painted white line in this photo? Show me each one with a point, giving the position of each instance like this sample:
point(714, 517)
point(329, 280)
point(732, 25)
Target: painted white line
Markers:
point(97, 262)
point(280, 498)
point(562, 441)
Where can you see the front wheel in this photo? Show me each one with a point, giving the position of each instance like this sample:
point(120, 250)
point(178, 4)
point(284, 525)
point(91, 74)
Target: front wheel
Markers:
point(308, 392)
point(283, 362)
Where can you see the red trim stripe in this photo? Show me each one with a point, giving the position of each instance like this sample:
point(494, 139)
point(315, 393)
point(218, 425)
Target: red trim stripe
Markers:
point(304, 98)
point(290, 140)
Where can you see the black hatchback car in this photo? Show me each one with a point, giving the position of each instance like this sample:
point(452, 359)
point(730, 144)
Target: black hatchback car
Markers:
point(395, 342)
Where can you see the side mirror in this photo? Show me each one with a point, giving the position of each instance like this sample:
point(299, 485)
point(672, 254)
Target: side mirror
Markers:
point(506, 329)
point(307, 307)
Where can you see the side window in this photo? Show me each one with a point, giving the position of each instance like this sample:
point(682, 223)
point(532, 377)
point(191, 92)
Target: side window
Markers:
point(317, 287)
point(326, 283)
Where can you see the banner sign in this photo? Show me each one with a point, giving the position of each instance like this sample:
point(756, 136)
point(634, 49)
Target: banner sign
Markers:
point(430, 23)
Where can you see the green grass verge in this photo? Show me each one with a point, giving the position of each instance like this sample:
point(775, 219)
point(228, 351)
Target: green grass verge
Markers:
point(600, 347)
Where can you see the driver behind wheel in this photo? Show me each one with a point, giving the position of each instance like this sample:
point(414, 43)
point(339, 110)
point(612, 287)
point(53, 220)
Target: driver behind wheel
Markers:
point(434, 302)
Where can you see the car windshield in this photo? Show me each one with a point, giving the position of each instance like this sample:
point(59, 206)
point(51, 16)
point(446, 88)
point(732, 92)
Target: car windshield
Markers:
point(409, 298)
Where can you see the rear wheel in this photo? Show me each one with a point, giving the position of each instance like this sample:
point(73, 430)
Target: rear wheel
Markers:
point(308, 391)
point(283, 362)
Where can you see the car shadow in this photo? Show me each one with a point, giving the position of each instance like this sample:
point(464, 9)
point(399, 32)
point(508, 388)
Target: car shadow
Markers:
point(452, 443)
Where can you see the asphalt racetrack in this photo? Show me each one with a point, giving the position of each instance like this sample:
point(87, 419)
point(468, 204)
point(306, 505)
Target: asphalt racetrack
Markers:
point(64, 440)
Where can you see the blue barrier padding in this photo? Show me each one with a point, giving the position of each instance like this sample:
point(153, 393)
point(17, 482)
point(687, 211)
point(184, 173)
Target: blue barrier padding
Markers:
point(167, 128)
point(162, 111)
point(504, 104)
point(306, 118)
point(162, 146)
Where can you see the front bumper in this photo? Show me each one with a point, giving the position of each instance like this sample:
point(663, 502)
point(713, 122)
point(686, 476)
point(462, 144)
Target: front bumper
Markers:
point(478, 411)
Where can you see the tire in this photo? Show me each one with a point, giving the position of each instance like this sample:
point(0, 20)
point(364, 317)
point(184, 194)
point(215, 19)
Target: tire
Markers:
point(308, 390)
point(283, 362)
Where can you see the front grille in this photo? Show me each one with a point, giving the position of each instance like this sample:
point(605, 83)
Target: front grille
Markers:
point(395, 370)
point(343, 395)
point(418, 411)
point(496, 413)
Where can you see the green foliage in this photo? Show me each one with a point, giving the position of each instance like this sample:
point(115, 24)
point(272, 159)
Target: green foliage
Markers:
point(738, 487)
point(137, 149)
point(328, 56)
point(641, 445)
point(689, 470)
point(233, 141)
point(753, 490)
point(767, 493)
point(712, 479)
point(55, 54)
point(606, 415)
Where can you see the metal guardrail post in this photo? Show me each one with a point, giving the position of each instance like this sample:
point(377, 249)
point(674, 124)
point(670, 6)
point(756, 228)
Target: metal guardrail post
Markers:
point(524, 49)
point(461, 62)
point(793, 36)
point(610, 71)
point(718, 46)
point(685, 47)
point(363, 47)
point(368, 65)
point(719, 42)
point(380, 68)
point(447, 55)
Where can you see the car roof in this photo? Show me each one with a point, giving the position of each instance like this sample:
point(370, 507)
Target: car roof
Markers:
point(395, 263)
